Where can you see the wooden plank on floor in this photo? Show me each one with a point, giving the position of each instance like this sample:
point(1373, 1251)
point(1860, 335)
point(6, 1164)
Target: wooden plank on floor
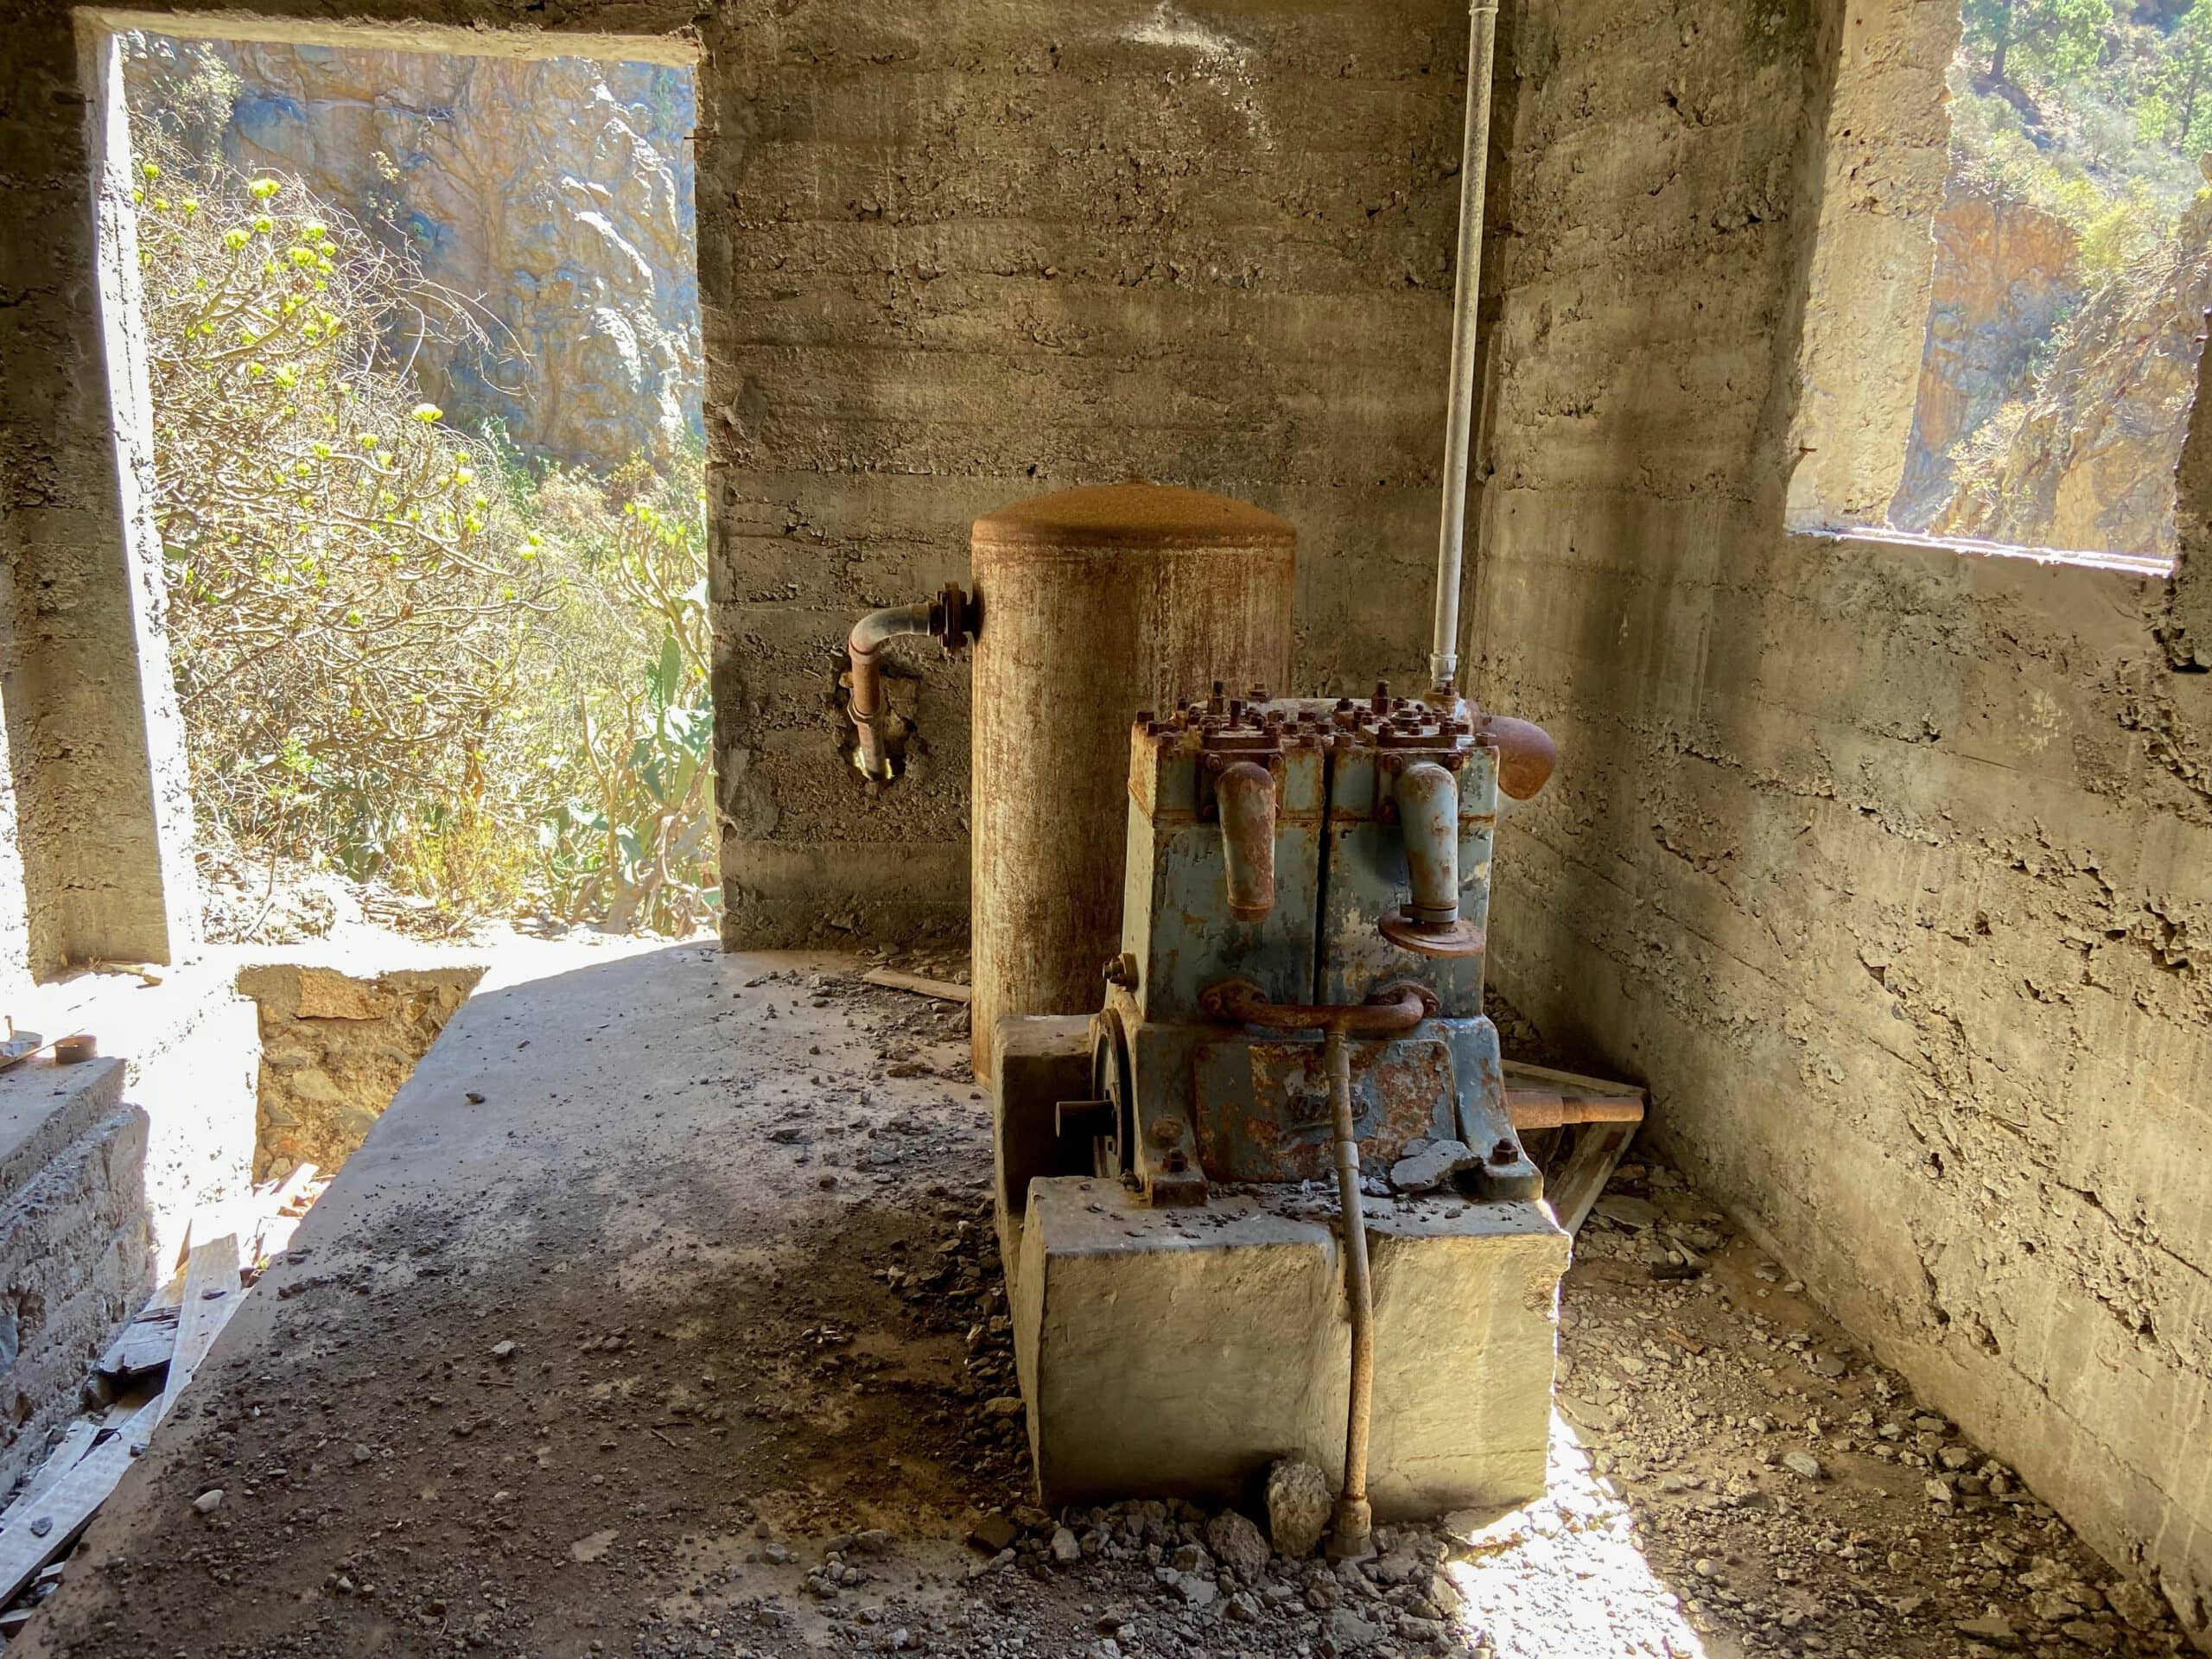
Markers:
point(143, 1345)
point(1565, 1082)
point(1577, 1183)
point(75, 1442)
point(894, 979)
point(69, 1503)
point(210, 1296)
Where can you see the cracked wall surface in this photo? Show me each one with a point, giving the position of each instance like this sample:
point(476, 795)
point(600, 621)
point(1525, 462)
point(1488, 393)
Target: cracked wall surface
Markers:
point(1888, 866)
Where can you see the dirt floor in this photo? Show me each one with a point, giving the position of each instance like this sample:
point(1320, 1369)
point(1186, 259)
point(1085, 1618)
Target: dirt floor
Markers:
point(660, 1318)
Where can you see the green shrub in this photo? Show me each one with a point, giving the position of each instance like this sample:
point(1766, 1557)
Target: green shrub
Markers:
point(349, 588)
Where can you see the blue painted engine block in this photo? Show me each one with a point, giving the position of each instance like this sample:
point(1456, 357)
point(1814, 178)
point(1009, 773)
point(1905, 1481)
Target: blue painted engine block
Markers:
point(1291, 862)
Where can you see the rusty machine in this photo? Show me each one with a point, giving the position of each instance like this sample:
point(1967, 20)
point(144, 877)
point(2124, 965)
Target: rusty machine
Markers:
point(1265, 1193)
point(1292, 1036)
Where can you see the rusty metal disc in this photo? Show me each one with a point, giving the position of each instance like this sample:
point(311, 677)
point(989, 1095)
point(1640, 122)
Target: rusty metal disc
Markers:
point(1109, 1081)
point(1459, 938)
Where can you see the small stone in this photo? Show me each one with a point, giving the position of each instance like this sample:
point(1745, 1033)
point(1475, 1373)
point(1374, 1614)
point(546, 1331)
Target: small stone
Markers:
point(1237, 1544)
point(44, 1524)
point(1429, 1168)
point(1633, 1214)
point(1298, 1507)
point(1197, 1592)
point(992, 1534)
point(503, 1350)
point(1007, 1405)
point(1938, 1490)
point(1066, 1549)
point(208, 1502)
point(1802, 1463)
point(2135, 1603)
point(2103, 1637)
point(1348, 1630)
point(1994, 1629)
point(362, 1454)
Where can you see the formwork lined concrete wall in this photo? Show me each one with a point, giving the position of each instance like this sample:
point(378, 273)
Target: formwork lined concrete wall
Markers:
point(965, 251)
point(1887, 866)
point(102, 815)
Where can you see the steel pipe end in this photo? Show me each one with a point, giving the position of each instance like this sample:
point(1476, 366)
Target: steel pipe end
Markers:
point(1351, 1530)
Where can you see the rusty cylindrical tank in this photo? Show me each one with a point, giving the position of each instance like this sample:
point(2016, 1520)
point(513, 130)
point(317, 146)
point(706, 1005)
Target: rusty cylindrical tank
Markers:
point(1095, 603)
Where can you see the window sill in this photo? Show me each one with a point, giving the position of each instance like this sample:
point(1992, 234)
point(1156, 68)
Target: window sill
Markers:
point(2141, 566)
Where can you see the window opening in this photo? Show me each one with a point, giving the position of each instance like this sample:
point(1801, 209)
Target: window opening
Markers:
point(2073, 271)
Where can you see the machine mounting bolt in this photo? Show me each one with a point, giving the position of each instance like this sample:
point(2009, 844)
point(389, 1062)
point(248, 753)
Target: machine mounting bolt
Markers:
point(1166, 1131)
point(1121, 970)
point(1504, 1153)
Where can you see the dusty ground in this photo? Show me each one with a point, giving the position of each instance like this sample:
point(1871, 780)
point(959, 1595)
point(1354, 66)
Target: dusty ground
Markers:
point(660, 1319)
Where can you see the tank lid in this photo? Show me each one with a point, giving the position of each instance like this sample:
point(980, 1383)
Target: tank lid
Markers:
point(1134, 514)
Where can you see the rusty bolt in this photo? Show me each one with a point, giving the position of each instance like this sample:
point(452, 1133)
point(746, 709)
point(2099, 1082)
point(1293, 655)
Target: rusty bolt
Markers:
point(1166, 1131)
point(1121, 970)
point(1504, 1153)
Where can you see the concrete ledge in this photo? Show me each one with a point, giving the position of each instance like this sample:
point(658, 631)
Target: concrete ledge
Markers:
point(1167, 1352)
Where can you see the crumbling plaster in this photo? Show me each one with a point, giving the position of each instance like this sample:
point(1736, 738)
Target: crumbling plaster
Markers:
point(1885, 865)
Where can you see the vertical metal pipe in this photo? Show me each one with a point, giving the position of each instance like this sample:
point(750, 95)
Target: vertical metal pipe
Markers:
point(1351, 1534)
point(1246, 792)
point(1428, 819)
point(1460, 412)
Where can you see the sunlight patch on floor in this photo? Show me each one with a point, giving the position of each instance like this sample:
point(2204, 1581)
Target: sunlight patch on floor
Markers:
point(1568, 1575)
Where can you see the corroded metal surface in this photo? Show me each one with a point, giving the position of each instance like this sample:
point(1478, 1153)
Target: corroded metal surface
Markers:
point(1097, 603)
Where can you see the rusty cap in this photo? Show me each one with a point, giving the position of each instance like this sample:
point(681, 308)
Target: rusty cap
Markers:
point(1132, 515)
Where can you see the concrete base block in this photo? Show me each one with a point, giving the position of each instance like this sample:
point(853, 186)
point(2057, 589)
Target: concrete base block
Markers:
point(1177, 1352)
point(1042, 1060)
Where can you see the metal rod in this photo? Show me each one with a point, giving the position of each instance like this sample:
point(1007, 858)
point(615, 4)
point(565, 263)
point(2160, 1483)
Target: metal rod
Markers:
point(1553, 1108)
point(1466, 293)
point(1351, 1534)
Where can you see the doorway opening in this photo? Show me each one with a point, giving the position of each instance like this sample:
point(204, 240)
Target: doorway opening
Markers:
point(420, 333)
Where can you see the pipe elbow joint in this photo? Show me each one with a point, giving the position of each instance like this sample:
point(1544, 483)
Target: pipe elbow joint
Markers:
point(1246, 792)
point(1526, 754)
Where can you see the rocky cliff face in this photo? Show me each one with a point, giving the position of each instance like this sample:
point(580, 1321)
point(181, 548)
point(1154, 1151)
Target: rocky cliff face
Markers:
point(552, 198)
point(2007, 276)
point(2091, 462)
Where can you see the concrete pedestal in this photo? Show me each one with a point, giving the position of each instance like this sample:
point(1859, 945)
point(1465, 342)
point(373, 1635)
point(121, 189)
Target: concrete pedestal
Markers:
point(1177, 1352)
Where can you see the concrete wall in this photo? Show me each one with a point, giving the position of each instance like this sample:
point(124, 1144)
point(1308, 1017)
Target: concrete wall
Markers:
point(956, 253)
point(1886, 865)
point(101, 811)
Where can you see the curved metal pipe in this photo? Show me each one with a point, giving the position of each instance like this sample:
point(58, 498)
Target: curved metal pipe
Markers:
point(1466, 292)
point(1526, 754)
point(1246, 792)
point(871, 714)
point(1393, 1010)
